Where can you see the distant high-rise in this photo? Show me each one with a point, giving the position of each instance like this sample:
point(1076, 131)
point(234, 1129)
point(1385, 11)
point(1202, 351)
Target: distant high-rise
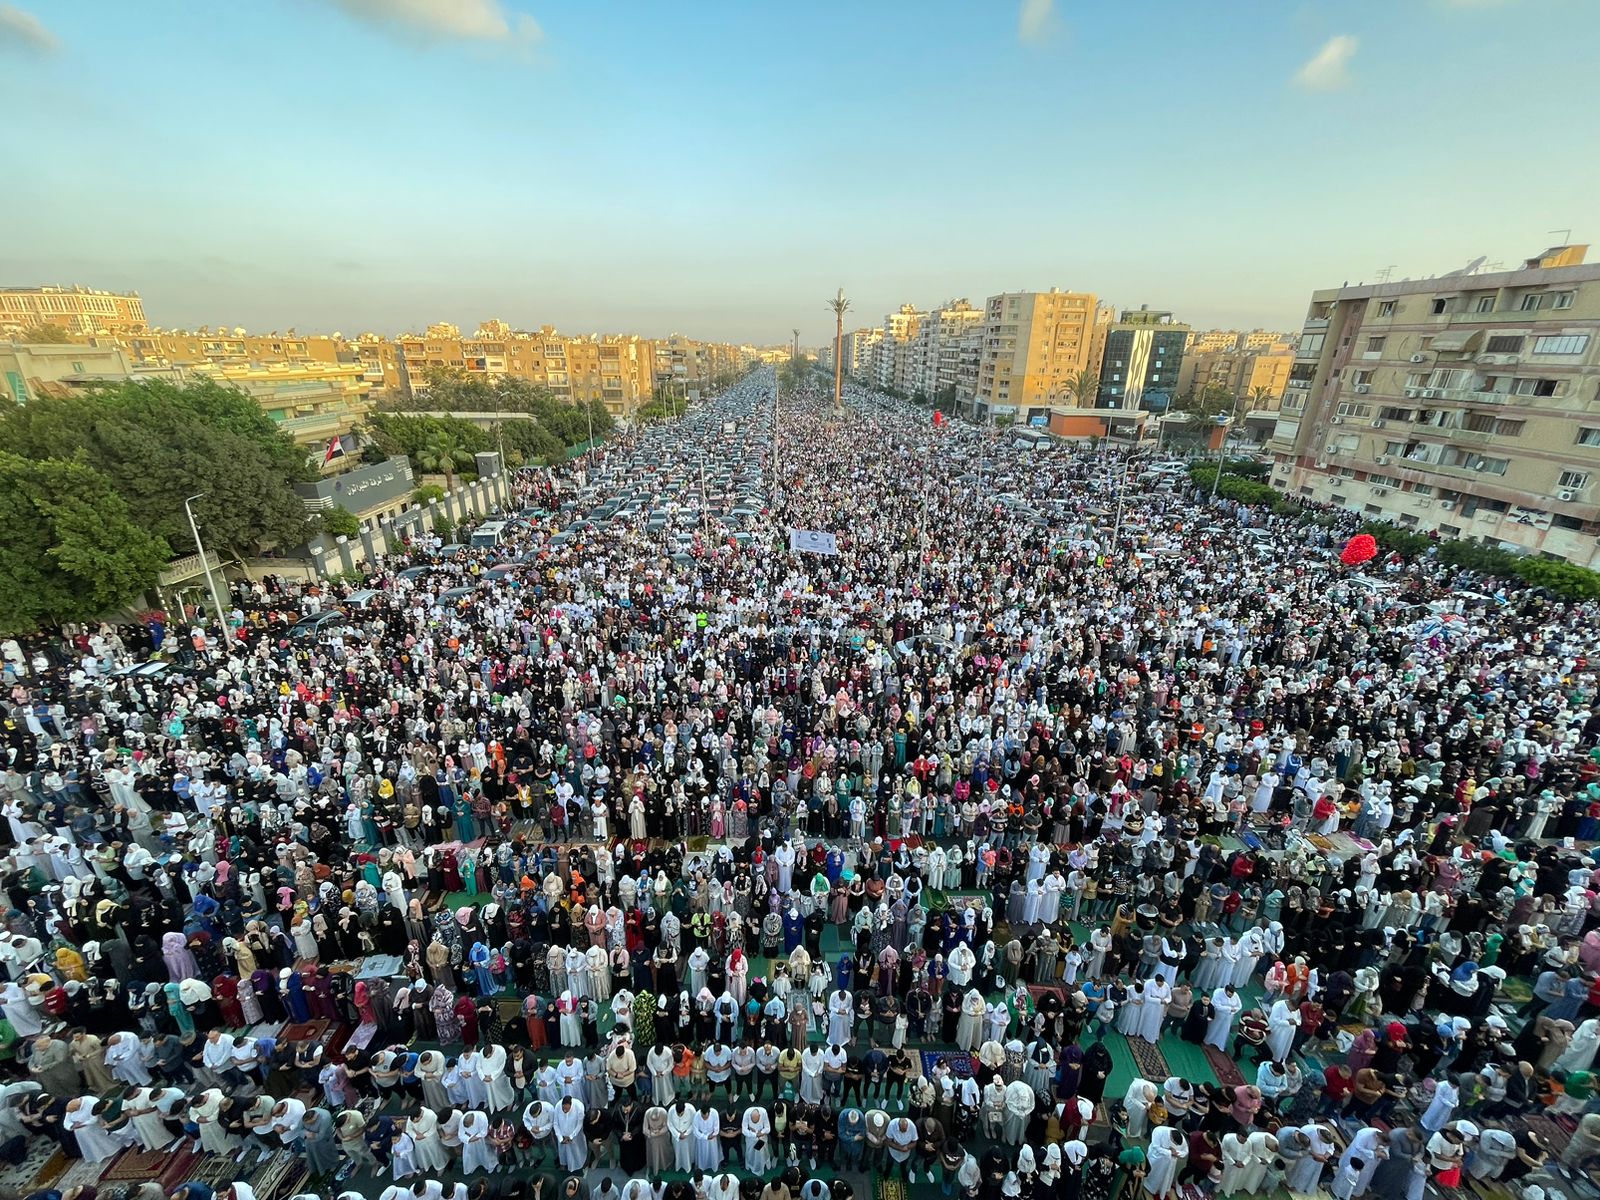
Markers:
point(73, 309)
point(1036, 345)
point(1462, 403)
point(1143, 355)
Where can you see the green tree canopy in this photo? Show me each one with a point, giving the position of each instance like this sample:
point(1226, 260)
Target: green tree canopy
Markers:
point(69, 550)
point(157, 442)
point(455, 391)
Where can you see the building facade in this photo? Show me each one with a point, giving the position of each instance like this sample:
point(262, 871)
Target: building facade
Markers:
point(1034, 344)
point(1142, 360)
point(1463, 404)
point(1258, 375)
point(73, 309)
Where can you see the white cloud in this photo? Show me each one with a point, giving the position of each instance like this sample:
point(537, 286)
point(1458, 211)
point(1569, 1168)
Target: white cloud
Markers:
point(1328, 69)
point(24, 32)
point(455, 20)
point(1036, 21)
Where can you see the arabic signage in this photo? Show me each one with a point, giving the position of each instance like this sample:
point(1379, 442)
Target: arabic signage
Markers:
point(364, 488)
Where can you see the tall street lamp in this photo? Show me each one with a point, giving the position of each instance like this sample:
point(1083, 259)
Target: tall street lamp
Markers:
point(1222, 454)
point(839, 304)
point(1122, 491)
point(205, 565)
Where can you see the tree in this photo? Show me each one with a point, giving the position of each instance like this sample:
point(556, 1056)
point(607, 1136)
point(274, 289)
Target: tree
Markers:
point(46, 335)
point(1207, 404)
point(1261, 397)
point(157, 442)
point(69, 550)
point(428, 491)
point(1083, 386)
point(339, 521)
point(444, 454)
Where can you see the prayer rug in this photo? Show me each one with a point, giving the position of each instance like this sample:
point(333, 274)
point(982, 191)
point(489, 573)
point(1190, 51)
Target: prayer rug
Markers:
point(1152, 1063)
point(962, 1064)
point(890, 1189)
point(135, 1166)
point(1227, 1071)
point(1551, 1131)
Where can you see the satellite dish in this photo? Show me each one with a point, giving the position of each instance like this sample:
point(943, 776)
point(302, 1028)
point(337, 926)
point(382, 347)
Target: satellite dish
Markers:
point(1473, 267)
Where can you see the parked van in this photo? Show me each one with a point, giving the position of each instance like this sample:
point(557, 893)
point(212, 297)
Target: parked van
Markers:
point(488, 535)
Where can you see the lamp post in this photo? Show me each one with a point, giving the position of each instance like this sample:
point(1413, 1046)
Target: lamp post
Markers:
point(205, 565)
point(1222, 453)
point(839, 304)
point(1122, 491)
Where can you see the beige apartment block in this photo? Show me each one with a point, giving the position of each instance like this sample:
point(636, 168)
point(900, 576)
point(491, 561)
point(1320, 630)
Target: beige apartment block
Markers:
point(73, 309)
point(1464, 404)
point(1034, 343)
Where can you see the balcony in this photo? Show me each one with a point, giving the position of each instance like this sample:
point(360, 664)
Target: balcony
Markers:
point(1315, 323)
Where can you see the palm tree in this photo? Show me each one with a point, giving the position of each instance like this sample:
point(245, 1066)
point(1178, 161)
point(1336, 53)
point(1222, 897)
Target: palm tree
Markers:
point(443, 454)
point(1083, 386)
point(1261, 397)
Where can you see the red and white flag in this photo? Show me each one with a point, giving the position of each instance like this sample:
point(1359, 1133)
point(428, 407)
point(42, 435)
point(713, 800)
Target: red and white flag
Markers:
point(335, 450)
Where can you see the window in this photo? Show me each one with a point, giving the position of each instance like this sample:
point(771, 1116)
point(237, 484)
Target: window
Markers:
point(1532, 302)
point(1561, 343)
point(1561, 300)
point(1440, 305)
point(1573, 480)
point(1485, 304)
point(1489, 423)
point(1310, 343)
point(1364, 378)
point(1394, 449)
point(1386, 308)
point(1375, 345)
point(1589, 436)
point(1489, 466)
point(1504, 344)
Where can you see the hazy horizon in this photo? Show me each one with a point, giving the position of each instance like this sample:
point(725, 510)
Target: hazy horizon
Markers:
point(719, 171)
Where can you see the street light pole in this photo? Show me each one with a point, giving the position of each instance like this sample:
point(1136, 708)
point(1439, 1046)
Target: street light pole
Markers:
point(1122, 491)
point(1222, 454)
point(205, 565)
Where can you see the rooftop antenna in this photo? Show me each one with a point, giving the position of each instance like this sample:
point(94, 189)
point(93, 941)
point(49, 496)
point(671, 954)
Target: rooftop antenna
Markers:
point(1566, 234)
point(1470, 269)
point(1387, 273)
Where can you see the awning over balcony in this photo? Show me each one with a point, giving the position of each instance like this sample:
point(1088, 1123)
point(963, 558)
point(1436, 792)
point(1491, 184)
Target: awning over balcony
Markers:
point(1456, 341)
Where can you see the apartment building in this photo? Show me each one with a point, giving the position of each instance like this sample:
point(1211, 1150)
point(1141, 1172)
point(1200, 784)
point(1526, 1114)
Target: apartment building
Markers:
point(934, 354)
point(33, 370)
point(74, 309)
point(1141, 362)
point(855, 348)
point(204, 346)
point(1034, 344)
point(1246, 374)
point(1465, 404)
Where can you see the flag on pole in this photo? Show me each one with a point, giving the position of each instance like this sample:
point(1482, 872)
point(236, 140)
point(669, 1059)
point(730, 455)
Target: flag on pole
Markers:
point(335, 450)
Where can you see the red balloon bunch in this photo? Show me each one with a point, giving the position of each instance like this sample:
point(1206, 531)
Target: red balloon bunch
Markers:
point(1359, 549)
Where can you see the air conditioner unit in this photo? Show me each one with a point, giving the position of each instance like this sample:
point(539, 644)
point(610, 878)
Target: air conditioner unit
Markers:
point(1430, 393)
point(1379, 423)
point(1510, 359)
point(1417, 358)
point(1411, 393)
point(1363, 388)
point(1566, 494)
point(1337, 421)
point(1424, 503)
point(1379, 490)
point(1447, 504)
point(1382, 460)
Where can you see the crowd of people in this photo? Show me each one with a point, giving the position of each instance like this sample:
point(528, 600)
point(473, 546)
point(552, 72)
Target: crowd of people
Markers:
point(739, 871)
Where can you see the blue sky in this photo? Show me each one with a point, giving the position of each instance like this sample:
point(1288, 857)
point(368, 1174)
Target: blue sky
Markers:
point(719, 168)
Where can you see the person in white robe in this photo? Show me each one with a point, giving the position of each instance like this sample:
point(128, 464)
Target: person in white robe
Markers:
point(1140, 1096)
point(1282, 1023)
point(497, 1084)
point(402, 1155)
point(1370, 1147)
point(1306, 1171)
point(139, 1107)
point(1235, 1152)
point(1020, 1102)
point(538, 1118)
point(1225, 1006)
point(758, 1148)
point(477, 1154)
point(19, 1010)
point(1153, 1012)
point(470, 1065)
point(707, 1139)
point(680, 1128)
point(1252, 944)
point(572, 1148)
point(1580, 1052)
point(125, 1062)
point(969, 1029)
point(96, 1143)
point(841, 1017)
point(1168, 1153)
point(427, 1149)
point(663, 1086)
point(1263, 1151)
